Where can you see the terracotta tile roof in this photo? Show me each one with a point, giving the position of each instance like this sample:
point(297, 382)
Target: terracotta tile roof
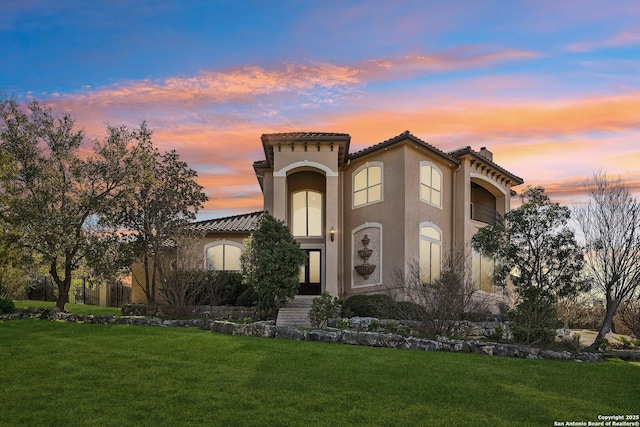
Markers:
point(406, 135)
point(237, 224)
point(460, 152)
point(292, 136)
point(269, 140)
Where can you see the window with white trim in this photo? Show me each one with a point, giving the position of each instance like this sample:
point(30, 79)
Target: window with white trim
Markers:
point(430, 184)
point(430, 252)
point(306, 213)
point(367, 185)
point(223, 256)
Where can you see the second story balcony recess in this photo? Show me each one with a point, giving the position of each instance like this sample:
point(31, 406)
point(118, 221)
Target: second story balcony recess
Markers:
point(486, 214)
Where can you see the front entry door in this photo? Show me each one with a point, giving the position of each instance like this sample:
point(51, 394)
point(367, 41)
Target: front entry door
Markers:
point(310, 273)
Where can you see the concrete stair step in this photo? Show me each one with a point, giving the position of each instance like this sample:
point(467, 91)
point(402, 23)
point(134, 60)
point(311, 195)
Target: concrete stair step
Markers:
point(296, 312)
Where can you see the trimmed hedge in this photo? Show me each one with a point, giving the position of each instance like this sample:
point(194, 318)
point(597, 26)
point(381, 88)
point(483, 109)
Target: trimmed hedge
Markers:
point(377, 305)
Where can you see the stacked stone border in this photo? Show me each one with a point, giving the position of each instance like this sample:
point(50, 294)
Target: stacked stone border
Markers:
point(268, 329)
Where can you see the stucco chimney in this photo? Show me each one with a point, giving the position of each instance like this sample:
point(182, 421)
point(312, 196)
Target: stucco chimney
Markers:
point(486, 154)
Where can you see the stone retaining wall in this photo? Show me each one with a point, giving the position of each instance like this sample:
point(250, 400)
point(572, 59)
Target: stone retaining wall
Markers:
point(205, 311)
point(332, 335)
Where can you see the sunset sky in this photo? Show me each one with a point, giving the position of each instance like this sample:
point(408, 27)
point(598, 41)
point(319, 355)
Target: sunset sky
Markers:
point(552, 88)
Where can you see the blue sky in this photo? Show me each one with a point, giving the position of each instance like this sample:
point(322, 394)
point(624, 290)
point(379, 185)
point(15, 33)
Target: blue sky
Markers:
point(552, 88)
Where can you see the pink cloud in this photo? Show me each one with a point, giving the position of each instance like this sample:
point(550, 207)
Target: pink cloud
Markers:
point(214, 120)
point(215, 87)
point(467, 57)
point(622, 39)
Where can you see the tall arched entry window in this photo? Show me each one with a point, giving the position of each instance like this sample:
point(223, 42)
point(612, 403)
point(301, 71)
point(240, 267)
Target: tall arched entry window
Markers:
point(306, 213)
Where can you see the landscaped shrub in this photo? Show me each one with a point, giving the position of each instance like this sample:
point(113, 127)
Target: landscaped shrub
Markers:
point(7, 305)
point(184, 289)
point(227, 288)
point(497, 335)
point(376, 305)
point(271, 260)
point(408, 310)
point(248, 298)
point(323, 308)
point(525, 335)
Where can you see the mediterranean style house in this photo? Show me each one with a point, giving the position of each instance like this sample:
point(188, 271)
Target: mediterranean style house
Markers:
point(361, 215)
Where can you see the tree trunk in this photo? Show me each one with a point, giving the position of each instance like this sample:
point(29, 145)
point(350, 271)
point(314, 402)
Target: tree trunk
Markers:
point(64, 285)
point(607, 323)
point(63, 293)
point(147, 280)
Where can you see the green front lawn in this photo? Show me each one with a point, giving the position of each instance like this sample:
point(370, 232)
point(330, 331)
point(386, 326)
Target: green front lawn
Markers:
point(72, 308)
point(55, 373)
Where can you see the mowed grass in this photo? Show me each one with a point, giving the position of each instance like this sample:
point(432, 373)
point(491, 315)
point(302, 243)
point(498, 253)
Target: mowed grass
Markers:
point(68, 374)
point(72, 308)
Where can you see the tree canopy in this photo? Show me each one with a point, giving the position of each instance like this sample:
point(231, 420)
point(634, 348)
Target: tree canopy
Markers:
point(101, 202)
point(160, 201)
point(538, 252)
point(51, 190)
point(271, 261)
point(610, 224)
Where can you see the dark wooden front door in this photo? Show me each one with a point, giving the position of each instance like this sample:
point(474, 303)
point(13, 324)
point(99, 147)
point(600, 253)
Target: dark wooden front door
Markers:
point(311, 273)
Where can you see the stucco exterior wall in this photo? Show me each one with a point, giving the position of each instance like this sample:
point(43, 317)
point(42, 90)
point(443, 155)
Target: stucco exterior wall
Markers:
point(386, 215)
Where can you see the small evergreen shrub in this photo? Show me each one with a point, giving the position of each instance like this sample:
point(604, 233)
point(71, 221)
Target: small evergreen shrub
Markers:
point(497, 335)
point(7, 305)
point(323, 308)
point(575, 341)
point(374, 326)
point(248, 298)
point(230, 287)
point(342, 324)
point(522, 334)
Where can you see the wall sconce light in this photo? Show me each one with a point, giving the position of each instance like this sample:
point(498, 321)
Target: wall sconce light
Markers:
point(332, 233)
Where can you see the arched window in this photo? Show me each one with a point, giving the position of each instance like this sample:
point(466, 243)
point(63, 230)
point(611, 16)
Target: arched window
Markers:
point(430, 184)
point(306, 213)
point(430, 252)
point(223, 255)
point(367, 185)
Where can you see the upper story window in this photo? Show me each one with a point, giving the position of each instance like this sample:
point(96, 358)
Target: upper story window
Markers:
point(430, 252)
point(430, 184)
point(367, 184)
point(306, 213)
point(223, 255)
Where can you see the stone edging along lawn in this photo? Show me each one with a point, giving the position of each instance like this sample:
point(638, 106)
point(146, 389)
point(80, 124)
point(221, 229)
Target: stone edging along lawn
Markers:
point(268, 329)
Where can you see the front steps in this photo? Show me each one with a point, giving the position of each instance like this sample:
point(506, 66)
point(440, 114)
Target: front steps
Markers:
point(296, 312)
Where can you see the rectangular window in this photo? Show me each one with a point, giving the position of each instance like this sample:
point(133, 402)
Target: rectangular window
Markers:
point(314, 214)
point(314, 266)
point(300, 213)
point(483, 272)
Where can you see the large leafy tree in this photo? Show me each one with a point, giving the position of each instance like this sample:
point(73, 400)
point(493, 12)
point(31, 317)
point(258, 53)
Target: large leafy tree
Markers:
point(610, 223)
point(53, 189)
point(271, 261)
point(161, 201)
point(538, 252)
